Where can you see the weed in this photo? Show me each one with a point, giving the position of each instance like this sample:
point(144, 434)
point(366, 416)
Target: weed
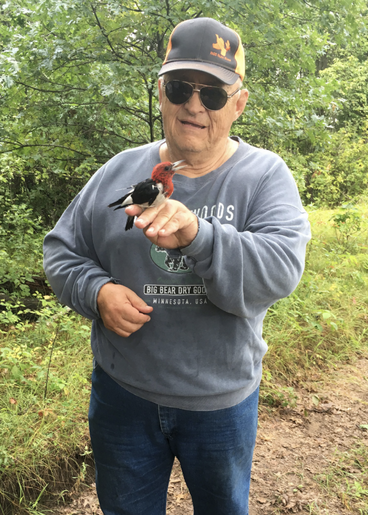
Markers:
point(347, 222)
point(283, 396)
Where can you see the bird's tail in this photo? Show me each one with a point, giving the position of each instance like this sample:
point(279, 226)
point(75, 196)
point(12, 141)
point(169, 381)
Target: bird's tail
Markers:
point(129, 223)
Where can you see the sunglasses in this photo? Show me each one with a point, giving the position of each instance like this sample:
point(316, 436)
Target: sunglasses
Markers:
point(212, 98)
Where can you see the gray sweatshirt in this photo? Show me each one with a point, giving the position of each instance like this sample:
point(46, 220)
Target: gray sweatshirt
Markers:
point(203, 348)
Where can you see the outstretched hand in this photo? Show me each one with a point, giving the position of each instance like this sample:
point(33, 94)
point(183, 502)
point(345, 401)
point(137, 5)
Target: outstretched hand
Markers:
point(170, 225)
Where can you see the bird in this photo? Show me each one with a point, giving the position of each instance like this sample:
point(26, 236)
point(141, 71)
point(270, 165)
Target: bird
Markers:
point(151, 192)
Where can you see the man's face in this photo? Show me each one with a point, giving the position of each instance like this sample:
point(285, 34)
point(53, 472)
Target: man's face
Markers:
point(190, 127)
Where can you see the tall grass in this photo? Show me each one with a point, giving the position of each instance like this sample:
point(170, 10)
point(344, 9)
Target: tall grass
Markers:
point(44, 394)
point(324, 321)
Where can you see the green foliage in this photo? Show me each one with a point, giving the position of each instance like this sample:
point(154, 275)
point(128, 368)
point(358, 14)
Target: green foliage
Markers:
point(349, 74)
point(77, 85)
point(20, 249)
point(347, 223)
point(340, 173)
point(44, 400)
point(41, 191)
point(298, 165)
point(21, 236)
point(78, 81)
point(276, 396)
point(325, 318)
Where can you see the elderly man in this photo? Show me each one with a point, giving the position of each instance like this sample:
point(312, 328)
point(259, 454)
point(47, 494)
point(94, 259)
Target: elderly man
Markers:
point(178, 302)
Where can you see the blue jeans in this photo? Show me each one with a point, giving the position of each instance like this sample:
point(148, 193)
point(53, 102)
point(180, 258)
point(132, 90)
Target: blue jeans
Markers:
point(135, 442)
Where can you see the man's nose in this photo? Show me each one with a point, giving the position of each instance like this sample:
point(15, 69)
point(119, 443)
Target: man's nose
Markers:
point(194, 103)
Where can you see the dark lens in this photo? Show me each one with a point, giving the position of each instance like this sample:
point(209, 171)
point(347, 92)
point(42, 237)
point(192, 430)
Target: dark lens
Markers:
point(178, 92)
point(213, 98)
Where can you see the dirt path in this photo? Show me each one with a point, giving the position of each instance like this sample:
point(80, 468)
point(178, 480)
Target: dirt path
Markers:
point(295, 447)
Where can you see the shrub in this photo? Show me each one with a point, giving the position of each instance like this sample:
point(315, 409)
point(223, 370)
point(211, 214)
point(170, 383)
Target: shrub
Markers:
point(342, 170)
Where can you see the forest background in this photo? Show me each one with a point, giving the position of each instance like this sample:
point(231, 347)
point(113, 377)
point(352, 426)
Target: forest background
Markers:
point(78, 84)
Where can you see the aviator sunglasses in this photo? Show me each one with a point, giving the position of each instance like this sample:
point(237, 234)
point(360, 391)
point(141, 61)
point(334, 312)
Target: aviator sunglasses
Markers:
point(212, 98)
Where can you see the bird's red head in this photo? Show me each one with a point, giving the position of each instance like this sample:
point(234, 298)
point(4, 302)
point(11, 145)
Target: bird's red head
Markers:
point(163, 173)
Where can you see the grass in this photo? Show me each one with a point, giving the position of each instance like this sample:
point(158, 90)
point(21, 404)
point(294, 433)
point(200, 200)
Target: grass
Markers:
point(44, 399)
point(45, 369)
point(324, 321)
point(347, 479)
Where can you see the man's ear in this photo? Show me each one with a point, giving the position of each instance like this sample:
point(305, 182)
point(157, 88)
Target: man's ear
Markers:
point(241, 103)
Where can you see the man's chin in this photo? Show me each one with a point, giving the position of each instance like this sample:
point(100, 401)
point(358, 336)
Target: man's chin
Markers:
point(190, 148)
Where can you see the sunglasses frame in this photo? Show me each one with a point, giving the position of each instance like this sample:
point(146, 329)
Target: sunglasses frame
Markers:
point(196, 89)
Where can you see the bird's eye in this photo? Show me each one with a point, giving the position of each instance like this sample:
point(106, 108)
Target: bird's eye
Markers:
point(167, 168)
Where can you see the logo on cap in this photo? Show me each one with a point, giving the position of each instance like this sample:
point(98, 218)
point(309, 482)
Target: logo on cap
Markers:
point(220, 45)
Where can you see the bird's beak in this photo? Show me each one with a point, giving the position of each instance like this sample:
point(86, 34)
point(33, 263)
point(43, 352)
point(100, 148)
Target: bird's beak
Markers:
point(175, 166)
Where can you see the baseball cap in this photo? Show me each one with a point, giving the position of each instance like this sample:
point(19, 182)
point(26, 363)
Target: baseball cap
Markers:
point(205, 45)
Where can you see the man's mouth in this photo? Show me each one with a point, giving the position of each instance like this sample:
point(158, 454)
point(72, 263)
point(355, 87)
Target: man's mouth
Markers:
point(192, 124)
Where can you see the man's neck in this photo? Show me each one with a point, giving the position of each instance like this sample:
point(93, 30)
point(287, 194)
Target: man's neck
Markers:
point(199, 164)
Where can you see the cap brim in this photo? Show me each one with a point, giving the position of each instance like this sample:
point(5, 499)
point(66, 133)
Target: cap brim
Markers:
point(225, 76)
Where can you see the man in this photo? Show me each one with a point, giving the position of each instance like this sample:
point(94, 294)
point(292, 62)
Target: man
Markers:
point(178, 302)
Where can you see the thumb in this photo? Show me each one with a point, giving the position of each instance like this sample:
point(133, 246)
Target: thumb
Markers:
point(138, 303)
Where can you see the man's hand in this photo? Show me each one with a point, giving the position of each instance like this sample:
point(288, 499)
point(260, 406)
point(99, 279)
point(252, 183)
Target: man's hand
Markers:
point(121, 310)
point(170, 225)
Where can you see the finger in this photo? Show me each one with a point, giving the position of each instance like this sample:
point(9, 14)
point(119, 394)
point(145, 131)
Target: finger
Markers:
point(133, 210)
point(123, 330)
point(138, 303)
point(132, 315)
point(121, 309)
point(127, 328)
point(179, 231)
point(161, 225)
point(125, 322)
point(155, 219)
point(177, 222)
point(147, 217)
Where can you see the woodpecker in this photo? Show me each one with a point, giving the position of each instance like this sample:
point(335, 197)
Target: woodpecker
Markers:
point(151, 192)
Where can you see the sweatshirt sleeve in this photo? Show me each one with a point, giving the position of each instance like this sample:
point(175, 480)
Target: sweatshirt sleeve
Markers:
point(70, 261)
point(246, 271)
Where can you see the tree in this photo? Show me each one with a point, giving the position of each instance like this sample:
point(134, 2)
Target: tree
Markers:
point(349, 75)
point(78, 80)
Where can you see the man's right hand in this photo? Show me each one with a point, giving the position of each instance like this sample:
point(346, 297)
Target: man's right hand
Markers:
point(121, 310)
